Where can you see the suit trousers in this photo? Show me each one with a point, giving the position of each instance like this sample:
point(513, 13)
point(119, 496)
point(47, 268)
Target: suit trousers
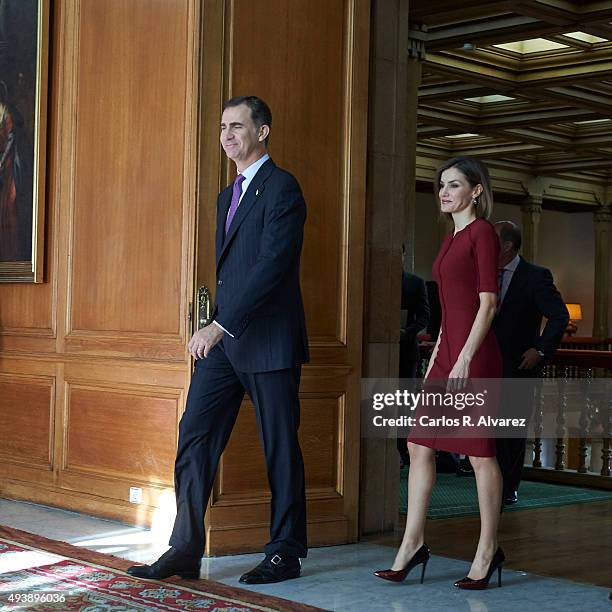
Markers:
point(511, 457)
point(517, 401)
point(408, 369)
point(215, 395)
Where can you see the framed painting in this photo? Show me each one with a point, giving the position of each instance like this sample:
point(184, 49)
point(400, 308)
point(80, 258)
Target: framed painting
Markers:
point(24, 44)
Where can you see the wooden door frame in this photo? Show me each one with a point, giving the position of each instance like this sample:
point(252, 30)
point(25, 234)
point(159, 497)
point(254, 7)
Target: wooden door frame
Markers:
point(214, 174)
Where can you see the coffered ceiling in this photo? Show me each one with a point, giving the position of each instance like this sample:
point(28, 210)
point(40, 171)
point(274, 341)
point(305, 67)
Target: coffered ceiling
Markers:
point(525, 84)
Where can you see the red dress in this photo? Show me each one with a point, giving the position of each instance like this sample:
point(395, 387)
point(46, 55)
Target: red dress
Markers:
point(465, 266)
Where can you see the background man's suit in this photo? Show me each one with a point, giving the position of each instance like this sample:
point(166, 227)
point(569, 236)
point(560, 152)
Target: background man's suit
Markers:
point(530, 296)
point(259, 303)
point(415, 303)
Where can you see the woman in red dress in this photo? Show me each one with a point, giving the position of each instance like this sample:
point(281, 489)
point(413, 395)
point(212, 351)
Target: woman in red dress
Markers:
point(466, 272)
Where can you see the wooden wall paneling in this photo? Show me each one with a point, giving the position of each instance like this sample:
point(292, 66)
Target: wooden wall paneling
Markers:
point(122, 373)
point(130, 234)
point(299, 65)
point(120, 436)
point(243, 469)
point(212, 169)
point(321, 532)
point(27, 341)
point(310, 63)
point(64, 111)
point(127, 219)
point(94, 499)
point(122, 432)
point(27, 409)
point(110, 326)
point(132, 198)
point(28, 365)
point(26, 310)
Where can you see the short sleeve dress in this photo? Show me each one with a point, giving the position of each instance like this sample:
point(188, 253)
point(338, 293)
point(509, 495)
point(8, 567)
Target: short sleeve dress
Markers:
point(465, 266)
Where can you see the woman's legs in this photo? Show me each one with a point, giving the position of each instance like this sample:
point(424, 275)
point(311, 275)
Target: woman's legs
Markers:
point(489, 485)
point(421, 479)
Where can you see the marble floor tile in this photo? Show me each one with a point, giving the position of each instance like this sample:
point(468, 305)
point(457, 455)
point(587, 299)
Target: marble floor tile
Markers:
point(335, 578)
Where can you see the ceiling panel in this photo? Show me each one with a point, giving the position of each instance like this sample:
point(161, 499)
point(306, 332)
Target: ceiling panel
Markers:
point(555, 66)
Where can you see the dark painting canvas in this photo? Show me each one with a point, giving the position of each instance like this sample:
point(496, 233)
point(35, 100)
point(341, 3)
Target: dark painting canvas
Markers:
point(20, 56)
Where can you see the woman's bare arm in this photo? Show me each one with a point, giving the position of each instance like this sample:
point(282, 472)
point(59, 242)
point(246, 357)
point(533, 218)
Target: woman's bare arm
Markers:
point(480, 328)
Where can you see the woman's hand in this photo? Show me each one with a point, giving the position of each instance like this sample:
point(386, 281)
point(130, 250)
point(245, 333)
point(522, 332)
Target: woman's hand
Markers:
point(458, 376)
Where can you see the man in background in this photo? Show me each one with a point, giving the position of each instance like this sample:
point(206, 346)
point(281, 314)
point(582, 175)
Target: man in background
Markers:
point(527, 293)
point(415, 317)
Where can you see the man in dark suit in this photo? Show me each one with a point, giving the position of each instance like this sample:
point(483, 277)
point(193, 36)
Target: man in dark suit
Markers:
point(256, 343)
point(416, 308)
point(527, 293)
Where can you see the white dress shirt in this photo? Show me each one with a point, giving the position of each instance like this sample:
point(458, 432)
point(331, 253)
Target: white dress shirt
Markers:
point(250, 172)
point(509, 268)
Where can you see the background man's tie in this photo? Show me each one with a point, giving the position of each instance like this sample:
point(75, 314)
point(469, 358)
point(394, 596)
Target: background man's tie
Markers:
point(500, 285)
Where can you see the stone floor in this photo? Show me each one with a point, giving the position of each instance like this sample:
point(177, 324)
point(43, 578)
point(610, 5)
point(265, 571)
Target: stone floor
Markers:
point(334, 578)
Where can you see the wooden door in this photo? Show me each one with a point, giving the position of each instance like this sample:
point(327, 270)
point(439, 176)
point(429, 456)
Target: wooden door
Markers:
point(309, 61)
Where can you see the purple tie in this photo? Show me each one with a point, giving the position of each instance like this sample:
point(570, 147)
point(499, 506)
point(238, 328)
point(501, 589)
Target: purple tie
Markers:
point(500, 286)
point(235, 201)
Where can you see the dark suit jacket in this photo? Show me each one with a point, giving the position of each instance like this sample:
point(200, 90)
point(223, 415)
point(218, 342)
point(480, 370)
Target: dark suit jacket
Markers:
point(531, 295)
point(258, 298)
point(414, 300)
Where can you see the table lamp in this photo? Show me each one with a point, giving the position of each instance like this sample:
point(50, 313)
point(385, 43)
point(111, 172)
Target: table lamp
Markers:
point(575, 314)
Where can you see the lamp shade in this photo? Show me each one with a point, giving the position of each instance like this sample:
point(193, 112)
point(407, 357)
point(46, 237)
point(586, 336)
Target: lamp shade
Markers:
point(575, 312)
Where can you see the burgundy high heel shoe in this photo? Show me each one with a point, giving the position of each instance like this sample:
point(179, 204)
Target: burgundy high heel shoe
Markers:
point(483, 583)
point(421, 556)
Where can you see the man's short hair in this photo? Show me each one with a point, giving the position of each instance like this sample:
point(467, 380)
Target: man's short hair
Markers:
point(510, 232)
point(260, 111)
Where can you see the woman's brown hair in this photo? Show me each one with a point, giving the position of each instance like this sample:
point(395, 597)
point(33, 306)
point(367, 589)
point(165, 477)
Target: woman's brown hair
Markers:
point(475, 173)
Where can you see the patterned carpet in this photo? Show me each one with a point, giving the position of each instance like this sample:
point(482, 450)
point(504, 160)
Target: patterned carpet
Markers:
point(453, 496)
point(44, 575)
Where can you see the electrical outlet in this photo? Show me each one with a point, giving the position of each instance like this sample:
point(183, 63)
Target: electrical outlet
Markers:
point(135, 495)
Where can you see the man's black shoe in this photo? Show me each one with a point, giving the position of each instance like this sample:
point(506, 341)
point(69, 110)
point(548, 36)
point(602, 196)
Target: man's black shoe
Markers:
point(510, 497)
point(273, 568)
point(171, 563)
point(465, 468)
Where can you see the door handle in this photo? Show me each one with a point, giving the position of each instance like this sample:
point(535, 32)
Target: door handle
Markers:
point(204, 314)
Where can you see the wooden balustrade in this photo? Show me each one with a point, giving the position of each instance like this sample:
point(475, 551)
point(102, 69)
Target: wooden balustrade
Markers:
point(586, 365)
point(586, 343)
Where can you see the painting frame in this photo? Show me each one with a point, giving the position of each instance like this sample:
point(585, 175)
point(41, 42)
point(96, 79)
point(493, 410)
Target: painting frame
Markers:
point(21, 268)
